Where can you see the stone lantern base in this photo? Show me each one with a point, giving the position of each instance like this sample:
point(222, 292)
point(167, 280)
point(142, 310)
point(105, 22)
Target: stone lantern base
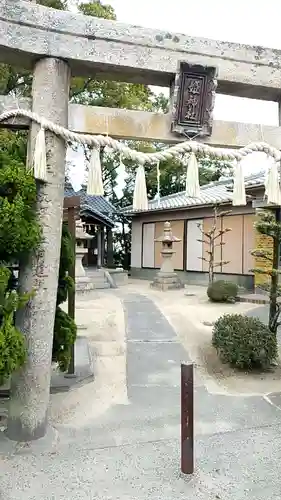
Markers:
point(167, 281)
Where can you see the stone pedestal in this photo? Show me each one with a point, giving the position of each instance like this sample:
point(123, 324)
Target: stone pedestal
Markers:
point(119, 276)
point(166, 278)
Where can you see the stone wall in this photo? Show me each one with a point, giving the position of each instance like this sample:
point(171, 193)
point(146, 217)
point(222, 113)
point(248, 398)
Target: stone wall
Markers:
point(196, 278)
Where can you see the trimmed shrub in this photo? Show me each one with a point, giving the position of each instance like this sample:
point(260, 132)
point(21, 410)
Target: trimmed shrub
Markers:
point(244, 342)
point(222, 291)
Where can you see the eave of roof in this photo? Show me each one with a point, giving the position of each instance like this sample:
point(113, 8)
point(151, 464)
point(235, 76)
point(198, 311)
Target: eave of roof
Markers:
point(95, 206)
point(86, 211)
point(219, 192)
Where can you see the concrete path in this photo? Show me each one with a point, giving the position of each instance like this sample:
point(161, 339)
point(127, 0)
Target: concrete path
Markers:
point(131, 451)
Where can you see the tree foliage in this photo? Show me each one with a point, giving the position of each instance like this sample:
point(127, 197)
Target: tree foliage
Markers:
point(12, 343)
point(19, 230)
point(19, 234)
point(269, 224)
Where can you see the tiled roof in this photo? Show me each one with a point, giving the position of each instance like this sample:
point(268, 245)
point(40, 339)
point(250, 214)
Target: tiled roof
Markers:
point(215, 192)
point(96, 205)
point(68, 190)
point(86, 209)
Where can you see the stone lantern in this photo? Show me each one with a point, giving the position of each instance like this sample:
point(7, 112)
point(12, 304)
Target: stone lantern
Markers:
point(82, 281)
point(166, 278)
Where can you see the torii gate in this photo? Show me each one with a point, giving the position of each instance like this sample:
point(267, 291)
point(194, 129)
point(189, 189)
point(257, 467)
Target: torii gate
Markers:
point(56, 45)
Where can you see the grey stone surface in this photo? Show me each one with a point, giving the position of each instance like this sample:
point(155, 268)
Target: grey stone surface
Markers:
point(100, 48)
point(145, 125)
point(119, 277)
point(83, 284)
point(132, 451)
point(144, 320)
point(84, 370)
point(30, 387)
point(166, 283)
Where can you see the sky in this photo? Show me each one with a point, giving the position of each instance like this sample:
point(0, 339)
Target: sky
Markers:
point(243, 21)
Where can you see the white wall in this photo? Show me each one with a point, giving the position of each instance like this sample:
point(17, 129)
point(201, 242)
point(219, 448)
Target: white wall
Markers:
point(148, 245)
point(136, 245)
point(194, 248)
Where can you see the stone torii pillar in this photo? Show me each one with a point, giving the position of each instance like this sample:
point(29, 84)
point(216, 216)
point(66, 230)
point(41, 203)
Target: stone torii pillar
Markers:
point(166, 278)
point(30, 387)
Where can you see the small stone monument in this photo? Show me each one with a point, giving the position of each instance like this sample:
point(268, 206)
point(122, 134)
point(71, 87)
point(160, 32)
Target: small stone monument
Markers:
point(166, 278)
point(82, 282)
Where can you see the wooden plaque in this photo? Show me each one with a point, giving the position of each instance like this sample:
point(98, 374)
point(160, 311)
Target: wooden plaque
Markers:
point(193, 100)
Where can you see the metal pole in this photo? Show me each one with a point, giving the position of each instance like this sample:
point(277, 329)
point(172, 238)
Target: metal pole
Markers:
point(187, 419)
point(71, 293)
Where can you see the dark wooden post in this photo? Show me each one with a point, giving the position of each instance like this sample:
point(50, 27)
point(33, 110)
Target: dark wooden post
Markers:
point(187, 419)
point(99, 245)
point(71, 205)
point(102, 246)
point(71, 293)
point(109, 247)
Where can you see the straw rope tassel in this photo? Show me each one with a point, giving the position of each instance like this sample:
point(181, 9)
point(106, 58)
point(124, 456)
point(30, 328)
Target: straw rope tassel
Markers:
point(192, 177)
point(39, 159)
point(100, 141)
point(140, 201)
point(158, 184)
point(95, 184)
point(239, 191)
point(266, 175)
point(272, 185)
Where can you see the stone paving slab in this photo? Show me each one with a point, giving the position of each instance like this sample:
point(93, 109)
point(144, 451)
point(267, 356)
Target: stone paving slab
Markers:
point(154, 354)
point(159, 398)
point(145, 321)
point(154, 363)
point(255, 298)
point(243, 465)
